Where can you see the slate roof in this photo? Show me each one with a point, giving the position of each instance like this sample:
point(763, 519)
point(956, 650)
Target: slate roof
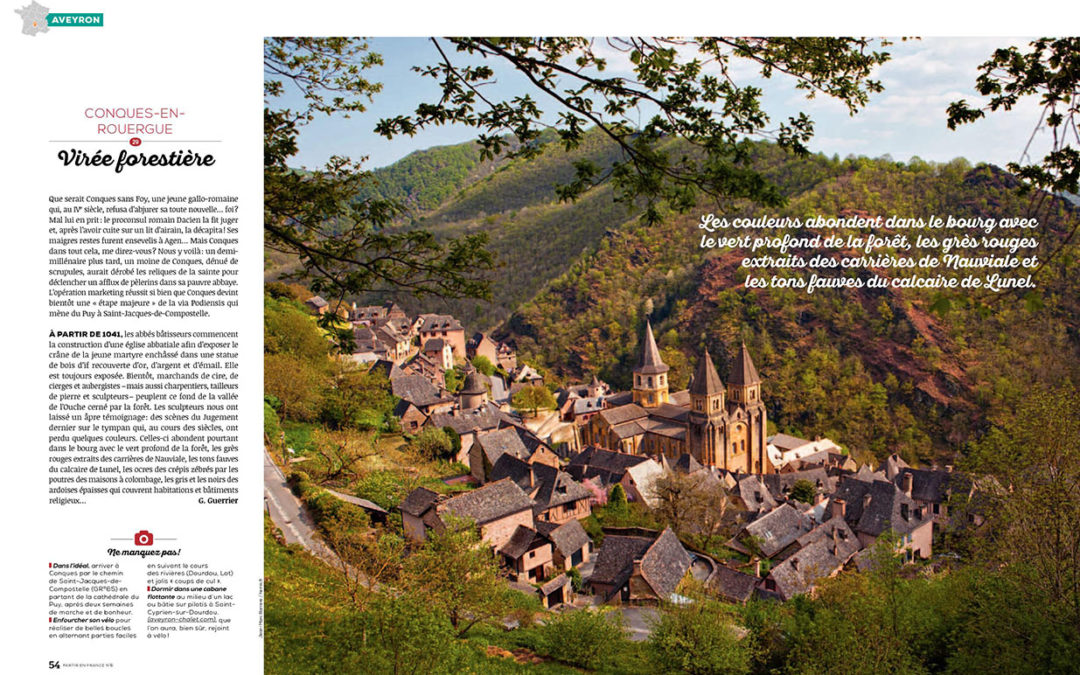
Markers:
point(568, 538)
point(517, 470)
point(615, 559)
point(520, 542)
point(468, 421)
point(418, 501)
point(608, 465)
point(487, 503)
point(852, 490)
point(835, 532)
point(649, 362)
point(754, 493)
point(644, 477)
point(440, 322)
point(664, 561)
point(929, 485)
point(868, 475)
point(434, 345)
point(555, 584)
point(687, 464)
point(588, 405)
point(416, 389)
point(743, 371)
point(387, 332)
point(706, 380)
point(780, 484)
point(527, 373)
point(624, 413)
point(662, 427)
point(680, 398)
point(786, 442)
point(733, 585)
point(665, 564)
point(502, 441)
point(474, 383)
point(317, 301)
point(402, 407)
point(387, 369)
point(628, 430)
point(619, 398)
point(556, 487)
point(778, 529)
point(669, 411)
point(801, 571)
point(893, 465)
point(478, 339)
point(886, 511)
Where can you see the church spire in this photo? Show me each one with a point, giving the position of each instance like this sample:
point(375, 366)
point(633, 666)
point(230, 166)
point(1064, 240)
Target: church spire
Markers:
point(650, 362)
point(650, 375)
point(743, 372)
point(706, 381)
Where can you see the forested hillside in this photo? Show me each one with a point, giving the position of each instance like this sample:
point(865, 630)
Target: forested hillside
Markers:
point(881, 371)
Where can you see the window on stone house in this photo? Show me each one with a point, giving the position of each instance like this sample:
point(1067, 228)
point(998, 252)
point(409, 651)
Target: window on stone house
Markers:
point(937, 509)
point(650, 380)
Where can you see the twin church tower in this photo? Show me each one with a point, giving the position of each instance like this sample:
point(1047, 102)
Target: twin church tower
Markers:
point(720, 424)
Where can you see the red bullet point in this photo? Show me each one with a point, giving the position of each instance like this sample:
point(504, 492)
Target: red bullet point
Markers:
point(147, 588)
point(50, 565)
point(50, 619)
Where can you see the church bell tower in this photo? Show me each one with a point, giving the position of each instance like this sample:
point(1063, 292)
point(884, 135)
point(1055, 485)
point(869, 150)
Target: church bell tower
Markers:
point(650, 374)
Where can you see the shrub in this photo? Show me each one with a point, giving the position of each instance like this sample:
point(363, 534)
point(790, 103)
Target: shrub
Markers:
point(575, 579)
point(583, 638)
point(697, 638)
point(433, 444)
point(484, 365)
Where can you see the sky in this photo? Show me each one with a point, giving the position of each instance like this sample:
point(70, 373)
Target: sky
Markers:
point(907, 119)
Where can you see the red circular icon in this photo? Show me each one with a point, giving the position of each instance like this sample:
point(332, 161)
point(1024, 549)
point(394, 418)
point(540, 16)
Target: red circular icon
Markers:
point(135, 142)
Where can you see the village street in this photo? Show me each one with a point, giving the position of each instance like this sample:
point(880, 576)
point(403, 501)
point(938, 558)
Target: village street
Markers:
point(286, 511)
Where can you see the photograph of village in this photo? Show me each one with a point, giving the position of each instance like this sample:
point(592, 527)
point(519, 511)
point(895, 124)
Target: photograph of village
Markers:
point(518, 420)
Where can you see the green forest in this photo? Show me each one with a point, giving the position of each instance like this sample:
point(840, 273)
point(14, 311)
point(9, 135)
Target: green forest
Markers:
point(914, 372)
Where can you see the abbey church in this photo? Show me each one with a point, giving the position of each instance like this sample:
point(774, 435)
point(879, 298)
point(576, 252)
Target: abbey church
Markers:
point(720, 424)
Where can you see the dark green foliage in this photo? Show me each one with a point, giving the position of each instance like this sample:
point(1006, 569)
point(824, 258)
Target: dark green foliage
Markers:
point(617, 498)
point(712, 114)
point(323, 218)
point(455, 442)
point(426, 178)
point(356, 399)
point(483, 365)
point(271, 426)
point(803, 491)
point(326, 509)
point(584, 638)
point(877, 372)
point(399, 634)
point(533, 399)
point(434, 444)
point(575, 579)
point(700, 638)
point(385, 487)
